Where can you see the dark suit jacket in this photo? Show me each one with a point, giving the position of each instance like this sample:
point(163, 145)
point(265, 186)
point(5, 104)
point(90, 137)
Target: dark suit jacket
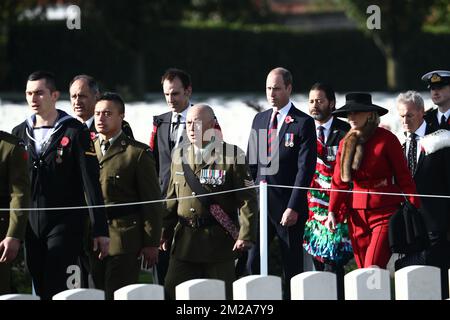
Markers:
point(162, 146)
point(432, 121)
point(338, 130)
point(432, 176)
point(296, 164)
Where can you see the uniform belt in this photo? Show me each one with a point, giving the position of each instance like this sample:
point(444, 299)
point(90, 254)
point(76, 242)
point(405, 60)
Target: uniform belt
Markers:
point(197, 222)
point(121, 211)
point(375, 183)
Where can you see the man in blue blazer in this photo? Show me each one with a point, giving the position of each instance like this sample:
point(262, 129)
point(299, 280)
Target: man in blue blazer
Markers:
point(282, 150)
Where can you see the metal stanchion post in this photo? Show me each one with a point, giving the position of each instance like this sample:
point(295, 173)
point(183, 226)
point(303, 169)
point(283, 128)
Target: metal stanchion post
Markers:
point(263, 245)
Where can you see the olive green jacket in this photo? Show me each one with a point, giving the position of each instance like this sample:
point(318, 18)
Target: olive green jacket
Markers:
point(14, 186)
point(128, 174)
point(210, 243)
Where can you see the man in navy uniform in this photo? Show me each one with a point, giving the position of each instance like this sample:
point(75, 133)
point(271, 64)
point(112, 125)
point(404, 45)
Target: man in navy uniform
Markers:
point(291, 160)
point(439, 84)
point(64, 172)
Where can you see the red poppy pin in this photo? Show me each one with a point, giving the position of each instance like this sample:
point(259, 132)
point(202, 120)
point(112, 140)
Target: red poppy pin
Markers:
point(93, 135)
point(288, 119)
point(65, 141)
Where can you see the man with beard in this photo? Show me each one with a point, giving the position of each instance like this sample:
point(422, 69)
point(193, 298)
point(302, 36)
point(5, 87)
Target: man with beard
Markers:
point(330, 250)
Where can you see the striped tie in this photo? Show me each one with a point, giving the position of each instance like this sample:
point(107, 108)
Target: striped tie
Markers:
point(321, 134)
point(272, 134)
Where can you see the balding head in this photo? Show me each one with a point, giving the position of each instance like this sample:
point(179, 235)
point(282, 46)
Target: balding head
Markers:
point(284, 73)
point(199, 119)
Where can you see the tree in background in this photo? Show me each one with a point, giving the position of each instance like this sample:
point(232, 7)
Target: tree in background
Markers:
point(126, 25)
point(10, 11)
point(401, 24)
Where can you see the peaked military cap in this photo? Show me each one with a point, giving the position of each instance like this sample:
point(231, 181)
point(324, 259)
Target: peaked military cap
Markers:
point(437, 78)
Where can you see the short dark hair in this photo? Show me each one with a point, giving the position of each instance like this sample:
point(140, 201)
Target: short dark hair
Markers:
point(92, 83)
point(325, 87)
point(173, 73)
point(114, 97)
point(49, 77)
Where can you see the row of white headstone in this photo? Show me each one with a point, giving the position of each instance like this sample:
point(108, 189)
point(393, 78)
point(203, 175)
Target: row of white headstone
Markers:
point(411, 283)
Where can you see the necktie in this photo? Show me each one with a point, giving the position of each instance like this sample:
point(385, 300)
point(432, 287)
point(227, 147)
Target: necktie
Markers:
point(321, 134)
point(412, 153)
point(443, 122)
point(105, 146)
point(272, 134)
point(174, 131)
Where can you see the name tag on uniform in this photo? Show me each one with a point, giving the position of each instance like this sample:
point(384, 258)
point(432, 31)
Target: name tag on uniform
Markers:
point(179, 173)
point(212, 177)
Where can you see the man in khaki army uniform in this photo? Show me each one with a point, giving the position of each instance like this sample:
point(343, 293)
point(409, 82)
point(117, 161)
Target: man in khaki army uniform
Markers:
point(14, 194)
point(127, 175)
point(202, 247)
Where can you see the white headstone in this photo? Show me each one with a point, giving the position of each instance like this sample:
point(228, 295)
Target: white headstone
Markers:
point(140, 292)
point(314, 285)
point(200, 289)
point(80, 294)
point(257, 287)
point(367, 284)
point(19, 297)
point(418, 283)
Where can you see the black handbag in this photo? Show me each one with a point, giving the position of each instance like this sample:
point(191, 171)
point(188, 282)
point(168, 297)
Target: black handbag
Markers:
point(419, 258)
point(407, 231)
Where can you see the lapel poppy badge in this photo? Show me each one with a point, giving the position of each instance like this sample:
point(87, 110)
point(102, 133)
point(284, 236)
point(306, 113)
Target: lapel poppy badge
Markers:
point(65, 141)
point(288, 119)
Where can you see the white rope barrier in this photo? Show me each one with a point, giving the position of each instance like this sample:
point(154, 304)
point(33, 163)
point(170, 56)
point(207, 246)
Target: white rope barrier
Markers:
point(223, 192)
point(126, 204)
point(368, 192)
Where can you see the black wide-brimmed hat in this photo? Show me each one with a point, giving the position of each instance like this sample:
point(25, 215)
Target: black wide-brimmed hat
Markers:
point(358, 102)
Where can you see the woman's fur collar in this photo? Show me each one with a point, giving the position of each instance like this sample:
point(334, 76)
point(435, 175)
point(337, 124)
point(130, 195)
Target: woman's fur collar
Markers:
point(353, 149)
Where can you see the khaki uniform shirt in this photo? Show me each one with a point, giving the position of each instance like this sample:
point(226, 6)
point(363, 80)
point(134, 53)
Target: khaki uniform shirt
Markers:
point(128, 174)
point(14, 186)
point(210, 243)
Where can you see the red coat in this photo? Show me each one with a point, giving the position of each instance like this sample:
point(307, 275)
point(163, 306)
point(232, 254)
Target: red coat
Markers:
point(383, 160)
